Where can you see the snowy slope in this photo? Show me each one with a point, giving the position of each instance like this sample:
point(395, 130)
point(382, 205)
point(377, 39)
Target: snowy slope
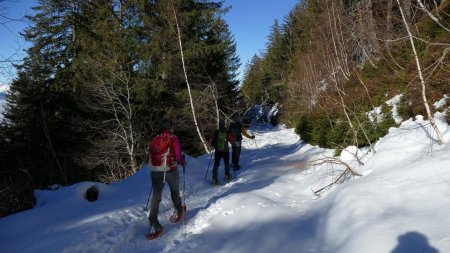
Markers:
point(399, 205)
point(3, 90)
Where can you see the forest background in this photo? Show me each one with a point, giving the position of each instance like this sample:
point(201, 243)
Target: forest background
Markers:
point(100, 75)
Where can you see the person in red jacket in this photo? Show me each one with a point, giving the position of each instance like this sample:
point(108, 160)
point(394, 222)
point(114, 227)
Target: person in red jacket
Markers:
point(219, 141)
point(166, 172)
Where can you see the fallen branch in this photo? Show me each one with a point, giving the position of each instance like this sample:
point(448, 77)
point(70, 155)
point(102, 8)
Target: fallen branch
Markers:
point(348, 172)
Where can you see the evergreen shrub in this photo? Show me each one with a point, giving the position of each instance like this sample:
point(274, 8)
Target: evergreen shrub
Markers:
point(336, 133)
point(404, 108)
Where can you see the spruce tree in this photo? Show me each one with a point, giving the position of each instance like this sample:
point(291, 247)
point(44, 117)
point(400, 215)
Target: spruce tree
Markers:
point(38, 124)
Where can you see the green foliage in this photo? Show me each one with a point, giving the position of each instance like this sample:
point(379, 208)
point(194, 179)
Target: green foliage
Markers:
point(377, 70)
point(265, 77)
point(322, 131)
point(336, 133)
point(431, 28)
point(382, 91)
point(404, 107)
point(304, 129)
point(375, 129)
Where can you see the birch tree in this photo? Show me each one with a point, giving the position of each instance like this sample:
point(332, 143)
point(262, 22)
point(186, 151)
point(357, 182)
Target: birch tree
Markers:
point(112, 97)
point(420, 73)
point(205, 146)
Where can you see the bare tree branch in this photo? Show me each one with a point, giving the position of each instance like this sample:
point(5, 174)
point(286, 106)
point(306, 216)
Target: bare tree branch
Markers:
point(422, 80)
point(435, 19)
point(343, 176)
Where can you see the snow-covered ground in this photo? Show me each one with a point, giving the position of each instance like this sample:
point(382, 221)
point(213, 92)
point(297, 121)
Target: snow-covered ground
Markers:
point(3, 90)
point(400, 204)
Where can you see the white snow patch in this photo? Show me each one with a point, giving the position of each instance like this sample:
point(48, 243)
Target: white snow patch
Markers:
point(4, 88)
point(393, 102)
point(375, 115)
point(443, 101)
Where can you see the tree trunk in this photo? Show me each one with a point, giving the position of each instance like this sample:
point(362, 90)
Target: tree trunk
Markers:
point(389, 25)
point(422, 80)
point(187, 81)
point(407, 11)
point(47, 136)
point(372, 27)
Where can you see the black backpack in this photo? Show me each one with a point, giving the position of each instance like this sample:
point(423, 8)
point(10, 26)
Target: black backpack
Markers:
point(235, 129)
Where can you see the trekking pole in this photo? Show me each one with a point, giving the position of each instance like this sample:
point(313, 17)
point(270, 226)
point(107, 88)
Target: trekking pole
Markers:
point(184, 181)
point(148, 200)
point(256, 144)
point(184, 196)
point(184, 193)
point(206, 174)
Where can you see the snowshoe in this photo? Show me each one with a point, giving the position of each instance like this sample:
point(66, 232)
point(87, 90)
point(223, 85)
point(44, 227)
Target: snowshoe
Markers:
point(228, 177)
point(155, 231)
point(178, 215)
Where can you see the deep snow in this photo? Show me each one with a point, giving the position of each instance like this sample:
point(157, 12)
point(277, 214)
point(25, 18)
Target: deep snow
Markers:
point(400, 204)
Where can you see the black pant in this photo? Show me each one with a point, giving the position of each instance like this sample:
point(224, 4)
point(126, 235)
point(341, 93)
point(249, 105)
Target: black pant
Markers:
point(235, 154)
point(172, 178)
point(226, 157)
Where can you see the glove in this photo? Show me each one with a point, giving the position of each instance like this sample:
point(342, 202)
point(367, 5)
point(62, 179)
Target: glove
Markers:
point(253, 136)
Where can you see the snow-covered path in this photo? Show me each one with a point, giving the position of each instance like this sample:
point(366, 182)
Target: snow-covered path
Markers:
point(398, 206)
point(258, 204)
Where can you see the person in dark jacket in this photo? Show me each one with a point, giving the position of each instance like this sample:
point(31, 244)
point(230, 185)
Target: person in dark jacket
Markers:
point(220, 139)
point(237, 129)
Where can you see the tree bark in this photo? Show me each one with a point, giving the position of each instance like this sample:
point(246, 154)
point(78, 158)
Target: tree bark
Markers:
point(407, 11)
point(422, 80)
point(389, 25)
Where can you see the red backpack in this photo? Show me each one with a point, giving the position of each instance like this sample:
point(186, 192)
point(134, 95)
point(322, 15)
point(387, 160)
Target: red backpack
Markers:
point(159, 151)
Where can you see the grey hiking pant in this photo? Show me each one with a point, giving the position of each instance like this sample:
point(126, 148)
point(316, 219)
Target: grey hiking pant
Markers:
point(172, 179)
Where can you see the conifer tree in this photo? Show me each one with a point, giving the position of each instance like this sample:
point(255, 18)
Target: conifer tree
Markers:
point(99, 77)
point(38, 126)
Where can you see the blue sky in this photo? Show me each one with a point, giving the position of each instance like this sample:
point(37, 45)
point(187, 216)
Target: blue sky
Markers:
point(249, 22)
point(11, 44)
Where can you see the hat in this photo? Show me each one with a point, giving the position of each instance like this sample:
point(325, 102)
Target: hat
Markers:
point(166, 124)
point(221, 124)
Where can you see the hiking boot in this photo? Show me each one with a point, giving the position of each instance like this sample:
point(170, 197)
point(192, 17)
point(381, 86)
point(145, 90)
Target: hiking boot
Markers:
point(155, 227)
point(154, 231)
point(228, 177)
point(178, 214)
point(215, 181)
